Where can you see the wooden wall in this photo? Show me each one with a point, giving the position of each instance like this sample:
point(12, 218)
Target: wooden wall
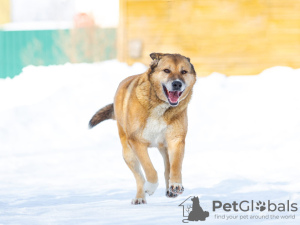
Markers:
point(233, 37)
point(4, 11)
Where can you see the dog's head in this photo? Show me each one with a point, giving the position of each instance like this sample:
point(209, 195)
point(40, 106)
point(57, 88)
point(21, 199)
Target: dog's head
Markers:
point(173, 77)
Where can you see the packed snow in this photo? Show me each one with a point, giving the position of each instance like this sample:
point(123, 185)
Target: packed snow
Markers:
point(243, 144)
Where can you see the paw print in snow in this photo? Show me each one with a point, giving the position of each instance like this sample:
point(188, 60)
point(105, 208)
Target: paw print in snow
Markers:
point(261, 206)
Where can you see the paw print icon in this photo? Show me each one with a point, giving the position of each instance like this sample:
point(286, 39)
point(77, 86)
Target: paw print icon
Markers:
point(261, 206)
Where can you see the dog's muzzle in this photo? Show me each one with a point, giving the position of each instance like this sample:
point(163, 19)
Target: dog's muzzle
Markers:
point(173, 90)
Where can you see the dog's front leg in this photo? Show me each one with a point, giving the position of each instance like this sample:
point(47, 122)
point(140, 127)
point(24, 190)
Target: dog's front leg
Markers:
point(141, 152)
point(176, 153)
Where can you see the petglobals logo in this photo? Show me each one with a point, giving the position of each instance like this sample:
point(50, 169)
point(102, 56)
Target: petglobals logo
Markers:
point(246, 206)
point(196, 211)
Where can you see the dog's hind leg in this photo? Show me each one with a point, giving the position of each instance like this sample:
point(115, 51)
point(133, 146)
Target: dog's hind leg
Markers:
point(164, 152)
point(134, 165)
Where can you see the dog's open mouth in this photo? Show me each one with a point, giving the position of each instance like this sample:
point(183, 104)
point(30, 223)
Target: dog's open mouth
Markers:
point(172, 96)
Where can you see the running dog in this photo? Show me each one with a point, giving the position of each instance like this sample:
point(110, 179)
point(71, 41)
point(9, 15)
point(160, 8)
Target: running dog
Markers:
point(151, 111)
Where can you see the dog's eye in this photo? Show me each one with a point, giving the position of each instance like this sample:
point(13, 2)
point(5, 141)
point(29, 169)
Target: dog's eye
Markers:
point(183, 72)
point(167, 71)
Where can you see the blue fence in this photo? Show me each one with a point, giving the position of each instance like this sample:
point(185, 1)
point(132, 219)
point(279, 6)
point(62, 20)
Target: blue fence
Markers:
point(51, 47)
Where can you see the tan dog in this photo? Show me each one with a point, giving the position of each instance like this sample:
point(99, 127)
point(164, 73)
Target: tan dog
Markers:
point(151, 111)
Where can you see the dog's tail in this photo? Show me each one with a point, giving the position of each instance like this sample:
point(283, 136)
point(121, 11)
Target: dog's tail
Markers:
point(102, 114)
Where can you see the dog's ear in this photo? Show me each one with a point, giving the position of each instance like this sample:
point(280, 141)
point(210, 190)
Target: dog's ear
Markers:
point(192, 66)
point(156, 56)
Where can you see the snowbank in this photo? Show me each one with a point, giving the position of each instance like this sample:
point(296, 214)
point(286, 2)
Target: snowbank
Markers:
point(243, 142)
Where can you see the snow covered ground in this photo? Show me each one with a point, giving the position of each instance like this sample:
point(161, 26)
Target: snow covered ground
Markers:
point(243, 144)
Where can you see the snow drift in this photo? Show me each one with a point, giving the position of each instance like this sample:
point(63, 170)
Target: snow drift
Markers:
point(243, 143)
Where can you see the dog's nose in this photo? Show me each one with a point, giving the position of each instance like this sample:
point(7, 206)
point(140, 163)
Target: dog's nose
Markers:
point(176, 85)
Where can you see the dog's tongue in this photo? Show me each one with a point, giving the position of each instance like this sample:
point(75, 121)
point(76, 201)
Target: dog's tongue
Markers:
point(174, 96)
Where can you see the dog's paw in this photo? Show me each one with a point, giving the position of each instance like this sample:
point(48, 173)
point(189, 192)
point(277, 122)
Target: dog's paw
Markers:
point(150, 188)
point(171, 195)
point(176, 188)
point(138, 201)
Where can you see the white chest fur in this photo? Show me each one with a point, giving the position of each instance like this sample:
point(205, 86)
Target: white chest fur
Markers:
point(155, 128)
